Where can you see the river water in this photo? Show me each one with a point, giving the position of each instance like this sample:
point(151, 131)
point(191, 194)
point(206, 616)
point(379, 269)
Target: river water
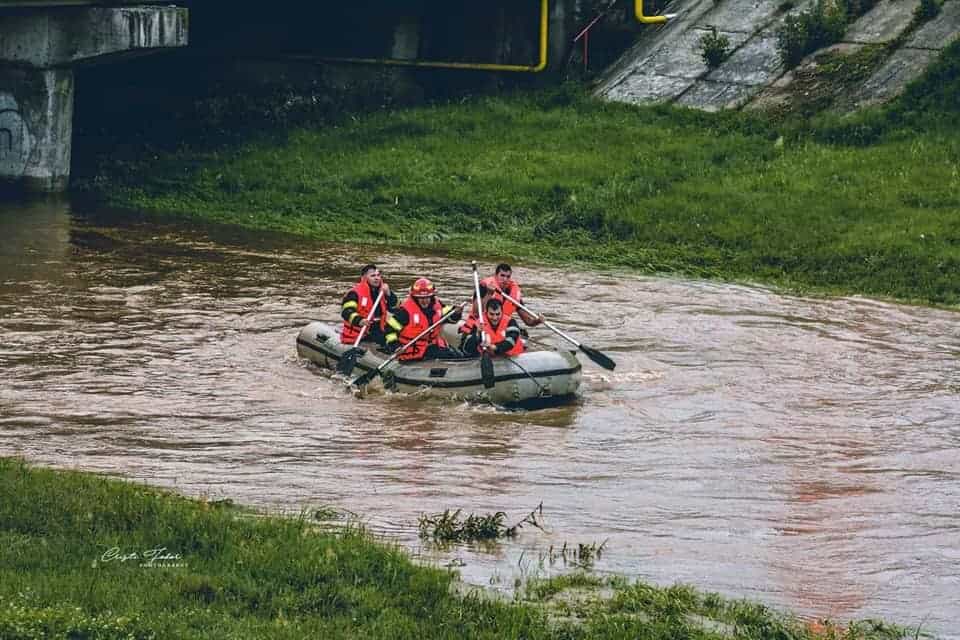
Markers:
point(799, 452)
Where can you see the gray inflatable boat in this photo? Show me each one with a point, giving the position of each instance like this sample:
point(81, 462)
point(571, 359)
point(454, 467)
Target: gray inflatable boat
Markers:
point(529, 379)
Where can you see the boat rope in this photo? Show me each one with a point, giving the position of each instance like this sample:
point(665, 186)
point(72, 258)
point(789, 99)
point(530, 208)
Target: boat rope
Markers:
point(529, 375)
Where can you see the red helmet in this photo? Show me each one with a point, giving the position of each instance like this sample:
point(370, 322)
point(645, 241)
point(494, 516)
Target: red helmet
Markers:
point(423, 288)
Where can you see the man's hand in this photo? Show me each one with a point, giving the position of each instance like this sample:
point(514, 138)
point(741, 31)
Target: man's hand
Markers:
point(386, 288)
point(531, 320)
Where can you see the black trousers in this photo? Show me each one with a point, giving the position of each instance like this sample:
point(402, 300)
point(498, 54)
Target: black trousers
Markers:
point(374, 334)
point(441, 353)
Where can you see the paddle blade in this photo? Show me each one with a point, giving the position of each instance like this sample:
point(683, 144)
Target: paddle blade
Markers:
point(349, 360)
point(365, 379)
point(486, 371)
point(598, 357)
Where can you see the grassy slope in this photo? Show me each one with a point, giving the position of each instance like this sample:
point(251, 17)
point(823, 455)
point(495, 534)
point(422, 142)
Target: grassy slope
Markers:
point(858, 205)
point(256, 578)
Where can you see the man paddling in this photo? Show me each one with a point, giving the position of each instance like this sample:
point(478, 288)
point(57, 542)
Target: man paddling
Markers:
point(502, 332)
point(413, 317)
point(358, 309)
point(493, 288)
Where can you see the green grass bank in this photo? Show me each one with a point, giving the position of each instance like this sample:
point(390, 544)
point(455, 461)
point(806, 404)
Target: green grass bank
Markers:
point(864, 204)
point(75, 563)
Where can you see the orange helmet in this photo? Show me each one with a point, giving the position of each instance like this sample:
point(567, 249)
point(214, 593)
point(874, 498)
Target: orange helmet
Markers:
point(423, 288)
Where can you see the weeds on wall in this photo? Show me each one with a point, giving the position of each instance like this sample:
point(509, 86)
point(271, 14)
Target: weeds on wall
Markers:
point(820, 26)
point(805, 32)
point(714, 48)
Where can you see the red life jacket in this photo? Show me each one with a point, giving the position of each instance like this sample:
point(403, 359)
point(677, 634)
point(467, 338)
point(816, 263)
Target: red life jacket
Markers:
point(417, 323)
point(468, 324)
point(350, 332)
point(494, 289)
point(496, 335)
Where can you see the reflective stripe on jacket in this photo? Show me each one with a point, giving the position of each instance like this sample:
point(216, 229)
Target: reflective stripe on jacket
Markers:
point(364, 306)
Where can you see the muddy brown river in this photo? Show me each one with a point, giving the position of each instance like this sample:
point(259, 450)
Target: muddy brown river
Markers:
point(800, 452)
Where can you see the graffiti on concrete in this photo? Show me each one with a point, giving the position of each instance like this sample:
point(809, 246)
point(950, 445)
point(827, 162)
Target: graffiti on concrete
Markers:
point(15, 139)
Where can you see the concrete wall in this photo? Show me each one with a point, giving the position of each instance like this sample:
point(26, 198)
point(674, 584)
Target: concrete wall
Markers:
point(36, 124)
point(666, 65)
point(64, 36)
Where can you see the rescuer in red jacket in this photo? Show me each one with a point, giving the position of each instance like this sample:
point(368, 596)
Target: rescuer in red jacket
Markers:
point(492, 288)
point(503, 334)
point(411, 318)
point(357, 309)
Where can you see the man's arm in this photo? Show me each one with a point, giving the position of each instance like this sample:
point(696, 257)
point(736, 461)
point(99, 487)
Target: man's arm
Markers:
point(453, 317)
point(512, 334)
point(348, 310)
point(395, 323)
point(528, 318)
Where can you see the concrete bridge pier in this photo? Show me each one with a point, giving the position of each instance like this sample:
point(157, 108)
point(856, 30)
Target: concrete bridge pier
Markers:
point(39, 48)
point(36, 124)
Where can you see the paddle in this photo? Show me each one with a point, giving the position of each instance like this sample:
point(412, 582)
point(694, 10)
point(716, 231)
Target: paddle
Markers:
point(486, 364)
point(598, 357)
point(373, 373)
point(349, 358)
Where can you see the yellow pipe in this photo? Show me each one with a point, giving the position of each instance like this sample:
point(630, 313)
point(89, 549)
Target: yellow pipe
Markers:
point(540, 66)
point(645, 19)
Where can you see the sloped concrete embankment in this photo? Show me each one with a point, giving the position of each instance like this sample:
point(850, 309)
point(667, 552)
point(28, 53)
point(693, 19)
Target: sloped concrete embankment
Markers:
point(665, 65)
